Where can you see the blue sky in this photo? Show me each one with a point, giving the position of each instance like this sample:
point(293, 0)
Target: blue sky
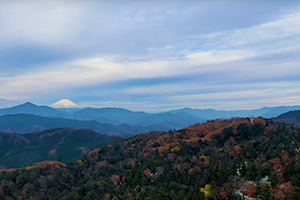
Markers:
point(151, 55)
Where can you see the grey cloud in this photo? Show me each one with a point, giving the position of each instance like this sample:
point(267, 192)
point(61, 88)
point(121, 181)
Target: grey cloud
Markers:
point(148, 52)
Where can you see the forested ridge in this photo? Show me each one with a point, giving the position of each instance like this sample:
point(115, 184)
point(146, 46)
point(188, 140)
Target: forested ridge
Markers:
point(221, 159)
point(62, 144)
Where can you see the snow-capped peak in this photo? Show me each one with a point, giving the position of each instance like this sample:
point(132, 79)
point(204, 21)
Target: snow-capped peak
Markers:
point(64, 103)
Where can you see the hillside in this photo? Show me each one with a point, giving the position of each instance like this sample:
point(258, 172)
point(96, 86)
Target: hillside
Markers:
point(24, 123)
point(221, 159)
point(292, 117)
point(56, 144)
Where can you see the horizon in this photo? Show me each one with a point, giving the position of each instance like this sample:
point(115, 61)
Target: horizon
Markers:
point(162, 111)
point(151, 56)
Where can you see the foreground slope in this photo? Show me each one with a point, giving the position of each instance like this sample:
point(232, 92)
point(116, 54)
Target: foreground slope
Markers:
point(62, 144)
point(221, 159)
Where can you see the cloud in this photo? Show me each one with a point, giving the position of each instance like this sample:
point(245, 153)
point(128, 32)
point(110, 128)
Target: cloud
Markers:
point(41, 23)
point(135, 29)
point(157, 57)
point(95, 71)
point(4, 103)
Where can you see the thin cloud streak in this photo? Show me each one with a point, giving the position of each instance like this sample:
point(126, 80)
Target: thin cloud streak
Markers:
point(233, 63)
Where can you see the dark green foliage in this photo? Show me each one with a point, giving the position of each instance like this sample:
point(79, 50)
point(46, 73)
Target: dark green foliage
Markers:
point(19, 150)
point(245, 157)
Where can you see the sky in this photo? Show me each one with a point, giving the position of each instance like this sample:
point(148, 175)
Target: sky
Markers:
point(151, 55)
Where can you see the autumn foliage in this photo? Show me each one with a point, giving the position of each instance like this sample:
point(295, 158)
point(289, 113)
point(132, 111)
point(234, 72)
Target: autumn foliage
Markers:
point(221, 159)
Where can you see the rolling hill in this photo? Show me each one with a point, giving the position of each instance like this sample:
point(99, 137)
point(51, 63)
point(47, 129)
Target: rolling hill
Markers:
point(24, 123)
point(292, 117)
point(123, 116)
point(113, 116)
point(110, 115)
point(221, 159)
point(64, 144)
point(141, 121)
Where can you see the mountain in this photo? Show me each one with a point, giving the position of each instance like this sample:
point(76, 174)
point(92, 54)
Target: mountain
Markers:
point(123, 116)
point(171, 120)
point(62, 144)
point(174, 119)
point(221, 159)
point(110, 115)
point(209, 114)
point(292, 117)
point(64, 103)
point(30, 108)
point(115, 116)
point(24, 123)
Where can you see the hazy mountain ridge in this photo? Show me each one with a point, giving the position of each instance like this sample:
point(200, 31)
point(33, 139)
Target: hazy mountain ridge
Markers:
point(114, 116)
point(63, 144)
point(110, 115)
point(292, 117)
point(30, 108)
point(24, 123)
point(208, 114)
point(174, 119)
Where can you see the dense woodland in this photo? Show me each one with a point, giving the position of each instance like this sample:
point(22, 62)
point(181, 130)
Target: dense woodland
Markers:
point(221, 159)
point(62, 144)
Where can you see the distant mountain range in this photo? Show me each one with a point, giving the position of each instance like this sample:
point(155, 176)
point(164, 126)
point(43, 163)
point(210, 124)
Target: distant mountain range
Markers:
point(141, 121)
point(117, 120)
point(62, 144)
point(209, 114)
point(121, 116)
point(30, 108)
point(26, 123)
